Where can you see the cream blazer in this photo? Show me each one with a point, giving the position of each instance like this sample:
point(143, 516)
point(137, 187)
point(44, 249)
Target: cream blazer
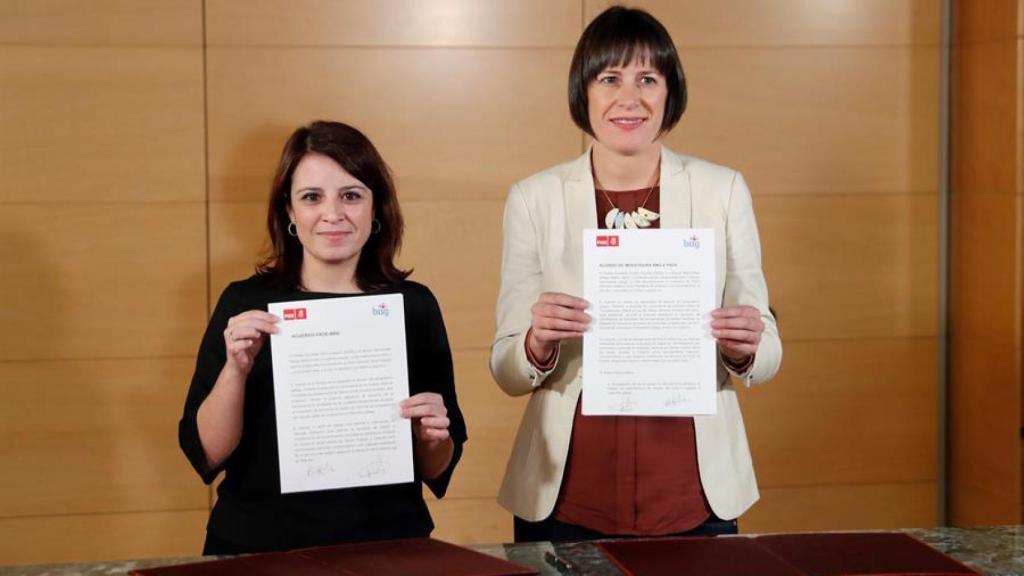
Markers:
point(545, 215)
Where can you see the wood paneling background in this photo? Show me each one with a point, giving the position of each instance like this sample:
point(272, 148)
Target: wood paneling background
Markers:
point(986, 455)
point(103, 244)
point(136, 149)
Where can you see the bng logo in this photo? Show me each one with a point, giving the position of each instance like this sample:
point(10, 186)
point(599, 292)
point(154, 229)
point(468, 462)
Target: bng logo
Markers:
point(380, 310)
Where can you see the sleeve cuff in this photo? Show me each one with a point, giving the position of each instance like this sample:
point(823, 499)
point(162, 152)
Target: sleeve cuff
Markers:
point(741, 369)
point(546, 366)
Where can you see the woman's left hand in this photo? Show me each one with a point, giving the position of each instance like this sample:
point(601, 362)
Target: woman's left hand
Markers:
point(429, 416)
point(737, 329)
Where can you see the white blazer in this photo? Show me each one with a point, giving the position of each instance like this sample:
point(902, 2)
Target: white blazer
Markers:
point(545, 215)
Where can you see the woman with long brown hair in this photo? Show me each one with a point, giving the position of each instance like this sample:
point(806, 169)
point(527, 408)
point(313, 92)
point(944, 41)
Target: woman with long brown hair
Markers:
point(334, 229)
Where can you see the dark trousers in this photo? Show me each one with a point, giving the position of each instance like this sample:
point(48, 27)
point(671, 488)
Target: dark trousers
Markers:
point(554, 531)
point(215, 546)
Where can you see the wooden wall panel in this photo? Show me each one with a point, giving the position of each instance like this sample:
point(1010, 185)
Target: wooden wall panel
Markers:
point(94, 437)
point(102, 280)
point(101, 22)
point(986, 228)
point(104, 250)
point(791, 22)
point(101, 124)
point(843, 507)
point(456, 250)
point(433, 114)
point(983, 107)
point(986, 403)
point(986, 21)
point(828, 421)
point(985, 472)
point(851, 266)
point(492, 418)
point(470, 520)
point(985, 396)
point(440, 23)
point(238, 241)
point(773, 115)
point(97, 537)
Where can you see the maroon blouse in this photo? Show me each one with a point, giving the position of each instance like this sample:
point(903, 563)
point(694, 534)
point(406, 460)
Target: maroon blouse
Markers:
point(632, 475)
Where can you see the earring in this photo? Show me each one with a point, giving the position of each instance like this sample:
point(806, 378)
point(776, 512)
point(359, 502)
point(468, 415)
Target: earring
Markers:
point(292, 230)
point(375, 226)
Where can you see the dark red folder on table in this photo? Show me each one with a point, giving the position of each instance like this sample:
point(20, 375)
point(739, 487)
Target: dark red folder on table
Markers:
point(862, 554)
point(412, 557)
point(703, 556)
point(830, 554)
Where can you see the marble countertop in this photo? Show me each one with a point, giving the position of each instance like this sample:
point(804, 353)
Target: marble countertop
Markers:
point(994, 551)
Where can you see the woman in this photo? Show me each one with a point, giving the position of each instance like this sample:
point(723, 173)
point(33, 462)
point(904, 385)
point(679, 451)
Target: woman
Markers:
point(335, 228)
point(571, 476)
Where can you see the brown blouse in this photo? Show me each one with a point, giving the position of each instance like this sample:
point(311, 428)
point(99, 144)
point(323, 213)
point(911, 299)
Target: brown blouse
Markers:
point(633, 475)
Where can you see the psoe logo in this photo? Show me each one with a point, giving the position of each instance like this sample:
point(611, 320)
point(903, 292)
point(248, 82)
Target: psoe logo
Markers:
point(608, 240)
point(294, 313)
point(691, 242)
point(380, 309)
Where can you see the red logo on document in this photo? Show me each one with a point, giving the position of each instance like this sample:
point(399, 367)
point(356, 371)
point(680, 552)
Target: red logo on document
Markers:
point(294, 313)
point(607, 241)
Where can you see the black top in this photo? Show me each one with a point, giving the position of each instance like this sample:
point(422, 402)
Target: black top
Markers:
point(250, 508)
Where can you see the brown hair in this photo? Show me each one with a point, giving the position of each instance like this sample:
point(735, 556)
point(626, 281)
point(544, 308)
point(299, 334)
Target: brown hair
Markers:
point(615, 38)
point(354, 152)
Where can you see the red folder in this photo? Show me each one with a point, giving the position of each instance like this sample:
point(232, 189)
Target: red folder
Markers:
point(699, 556)
point(831, 554)
point(413, 557)
point(862, 554)
point(273, 564)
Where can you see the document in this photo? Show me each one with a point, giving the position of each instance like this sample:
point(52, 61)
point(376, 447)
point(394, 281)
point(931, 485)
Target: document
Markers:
point(649, 350)
point(339, 372)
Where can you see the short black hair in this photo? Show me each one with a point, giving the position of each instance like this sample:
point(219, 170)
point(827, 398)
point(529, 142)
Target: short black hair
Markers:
point(615, 38)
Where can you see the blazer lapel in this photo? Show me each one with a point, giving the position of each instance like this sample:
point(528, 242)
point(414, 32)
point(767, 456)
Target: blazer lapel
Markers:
point(676, 199)
point(580, 214)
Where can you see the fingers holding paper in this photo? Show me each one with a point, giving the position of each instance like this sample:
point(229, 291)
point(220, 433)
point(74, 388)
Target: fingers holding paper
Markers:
point(737, 329)
point(553, 318)
point(244, 337)
point(428, 414)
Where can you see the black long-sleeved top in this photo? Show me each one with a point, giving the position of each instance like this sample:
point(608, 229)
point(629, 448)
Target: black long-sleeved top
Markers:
point(250, 508)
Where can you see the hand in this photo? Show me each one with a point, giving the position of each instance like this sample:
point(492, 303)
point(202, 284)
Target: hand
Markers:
point(244, 337)
point(429, 416)
point(553, 318)
point(737, 329)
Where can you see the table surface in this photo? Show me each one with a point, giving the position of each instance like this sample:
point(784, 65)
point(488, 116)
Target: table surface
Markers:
point(994, 551)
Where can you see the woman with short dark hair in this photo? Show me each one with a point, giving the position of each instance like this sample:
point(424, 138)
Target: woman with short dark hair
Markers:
point(335, 227)
point(574, 477)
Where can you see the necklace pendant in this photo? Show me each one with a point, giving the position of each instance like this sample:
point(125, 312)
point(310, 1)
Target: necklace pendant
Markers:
point(620, 220)
point(639, 220)
point(609, 218)
point(628, 221)
point(648, 214)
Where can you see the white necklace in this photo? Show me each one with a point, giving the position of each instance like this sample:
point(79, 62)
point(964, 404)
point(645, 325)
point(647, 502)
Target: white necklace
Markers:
point(639, 218)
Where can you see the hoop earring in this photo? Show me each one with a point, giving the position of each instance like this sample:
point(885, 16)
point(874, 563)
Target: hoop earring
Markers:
point(292, 230)
point(375, 226)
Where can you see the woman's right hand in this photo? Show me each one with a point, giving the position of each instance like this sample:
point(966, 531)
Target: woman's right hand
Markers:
point(244, 337)
point(553, 318)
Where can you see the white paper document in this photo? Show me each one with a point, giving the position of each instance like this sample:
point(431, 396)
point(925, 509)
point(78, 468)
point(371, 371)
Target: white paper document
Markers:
point(339, 372)
point(649, 351)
